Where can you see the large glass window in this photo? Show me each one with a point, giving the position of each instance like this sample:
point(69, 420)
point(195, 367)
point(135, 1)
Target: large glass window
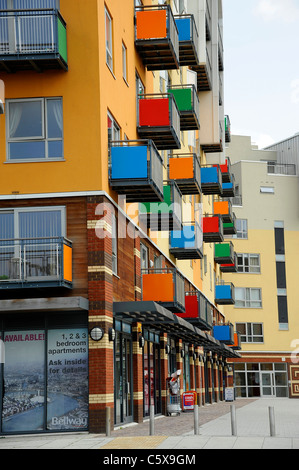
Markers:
point(34, 129)
point(247, 297)
point(261, 380)
point(44, 380)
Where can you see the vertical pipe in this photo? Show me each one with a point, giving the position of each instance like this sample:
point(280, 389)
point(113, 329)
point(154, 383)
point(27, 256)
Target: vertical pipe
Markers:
point(233, 420)
point(272, 421)
point(196, 428)
point(152, 419)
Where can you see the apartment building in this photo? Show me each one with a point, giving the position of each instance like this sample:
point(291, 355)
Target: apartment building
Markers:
point(108, 183)
point(267, 250)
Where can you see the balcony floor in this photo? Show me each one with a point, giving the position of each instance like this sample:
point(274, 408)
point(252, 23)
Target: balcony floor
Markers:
point(39, 63)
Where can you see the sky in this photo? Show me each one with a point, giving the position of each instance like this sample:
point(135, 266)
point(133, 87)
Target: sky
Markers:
point(261, 75)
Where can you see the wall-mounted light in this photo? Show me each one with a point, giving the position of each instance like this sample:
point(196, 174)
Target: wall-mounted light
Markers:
point(141, 341)
point(194, 356)
point(182, 353)
point(167, 349)
point(111, 334)
point(96, 333)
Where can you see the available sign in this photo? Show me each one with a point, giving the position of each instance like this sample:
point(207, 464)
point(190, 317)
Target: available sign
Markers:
point(229, 394)
point(189, 400)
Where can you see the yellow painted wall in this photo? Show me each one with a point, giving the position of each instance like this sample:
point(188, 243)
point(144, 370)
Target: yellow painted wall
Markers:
point(262, 242)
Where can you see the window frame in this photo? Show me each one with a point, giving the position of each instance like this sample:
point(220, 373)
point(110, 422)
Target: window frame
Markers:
point(109, 43)
point(249, 334)
point(124, 61)
point(243, 231)
point(43, 138)
point(247, 298)
point(249, 256)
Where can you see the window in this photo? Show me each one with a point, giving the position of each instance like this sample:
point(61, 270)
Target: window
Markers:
point(250, 332)
point(248, 263)
point(34, 129)
point(143, 256)
point(109, 50)
point(114, 245)
point(140, 90)
point(124, 58)
point(247, 297)
point(267, 189)
point(242, 229)
point(113, 129)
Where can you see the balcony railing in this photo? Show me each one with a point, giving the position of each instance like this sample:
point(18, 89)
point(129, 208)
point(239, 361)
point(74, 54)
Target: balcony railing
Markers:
point(136, 170)
point(211, 179)
point(230, 228)
point(230, 267)
point(281, 169)
point(188, 40)
point(227, 129)
point(166, 215)
point(224, 209)
point(188, 105)
point(187, 243)
point(198, 310)
point(35, 262)
point(165, 286)
point(157, 37)
point(159, 120)
point(212, 229)
point(184, 169)
point(32, 39)
point(228, 189)
point(224, 333)
point(224, 253)
point(225, 294)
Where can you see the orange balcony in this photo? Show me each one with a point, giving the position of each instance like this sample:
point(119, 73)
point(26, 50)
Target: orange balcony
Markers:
point(164, 286)
point(184, 169)
point(157, 37)
point(224, 209)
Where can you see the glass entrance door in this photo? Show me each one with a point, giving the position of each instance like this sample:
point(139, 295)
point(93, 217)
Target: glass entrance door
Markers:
point(267, 382)
point(123, 394)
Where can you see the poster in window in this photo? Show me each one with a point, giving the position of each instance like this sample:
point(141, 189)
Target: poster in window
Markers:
point(67, 373)
point(24, 376)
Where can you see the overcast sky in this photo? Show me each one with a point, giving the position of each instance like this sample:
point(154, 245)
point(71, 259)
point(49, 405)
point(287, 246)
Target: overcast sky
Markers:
point(261, 76)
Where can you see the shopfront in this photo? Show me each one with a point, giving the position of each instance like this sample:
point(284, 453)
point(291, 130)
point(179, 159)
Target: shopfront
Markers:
point(123, 374)
point(265, 380)
point(44, 378)
point(151, 372)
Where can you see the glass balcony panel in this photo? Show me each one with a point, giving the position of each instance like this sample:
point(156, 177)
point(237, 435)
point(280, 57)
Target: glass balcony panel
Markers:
point(186, 243)
point(188, 40)
point(225, 294)
point(224, 333)
point(188, 105)
point(184, 169)
point(165, 286)
point(211, 180)
point(212, 229)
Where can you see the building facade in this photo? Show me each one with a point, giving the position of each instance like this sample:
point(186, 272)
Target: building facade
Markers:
point(266, 245)
point(108, 278)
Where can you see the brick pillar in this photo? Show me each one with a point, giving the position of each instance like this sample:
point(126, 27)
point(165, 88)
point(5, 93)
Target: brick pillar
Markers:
point(137, 269)
point(164, 371)
point(101, 380)
point(137, 374)
point(221, 392)
point(216, 378)
point(210, 370)
point(179, 363)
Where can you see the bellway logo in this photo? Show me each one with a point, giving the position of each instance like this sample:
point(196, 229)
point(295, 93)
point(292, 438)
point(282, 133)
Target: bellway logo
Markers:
point(2, 352)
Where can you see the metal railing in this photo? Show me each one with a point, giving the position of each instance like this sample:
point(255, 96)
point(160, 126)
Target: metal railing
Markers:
point(32, 259)
point(274, 168)
point(29, 31)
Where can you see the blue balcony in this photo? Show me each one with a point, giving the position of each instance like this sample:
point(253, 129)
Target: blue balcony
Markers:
point(187, 243)
point(32, 40)
point(225, 294)
point(136, 170)
point(188, 40)
point(211, 180)
point(35, 263)
point(228, 189)
point(224, 333)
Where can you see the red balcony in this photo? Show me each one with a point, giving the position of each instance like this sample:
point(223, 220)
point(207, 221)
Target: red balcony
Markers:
point(212, 229)
point(159, 120)
point(198, 310)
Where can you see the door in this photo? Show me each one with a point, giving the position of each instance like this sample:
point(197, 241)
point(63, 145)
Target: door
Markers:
point(123, 395)
point(267, 384)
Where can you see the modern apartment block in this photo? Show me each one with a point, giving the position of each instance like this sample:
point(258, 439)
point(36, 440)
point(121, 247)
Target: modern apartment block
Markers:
point(267, 249)
point(112, 185)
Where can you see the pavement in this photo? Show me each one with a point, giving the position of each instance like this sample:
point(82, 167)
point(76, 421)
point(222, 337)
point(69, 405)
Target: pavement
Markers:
point(252, 431)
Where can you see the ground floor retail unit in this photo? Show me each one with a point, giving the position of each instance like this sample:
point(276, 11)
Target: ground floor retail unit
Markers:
point(61, 368)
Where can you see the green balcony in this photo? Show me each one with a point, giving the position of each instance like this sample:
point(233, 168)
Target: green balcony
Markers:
point(188, 105)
